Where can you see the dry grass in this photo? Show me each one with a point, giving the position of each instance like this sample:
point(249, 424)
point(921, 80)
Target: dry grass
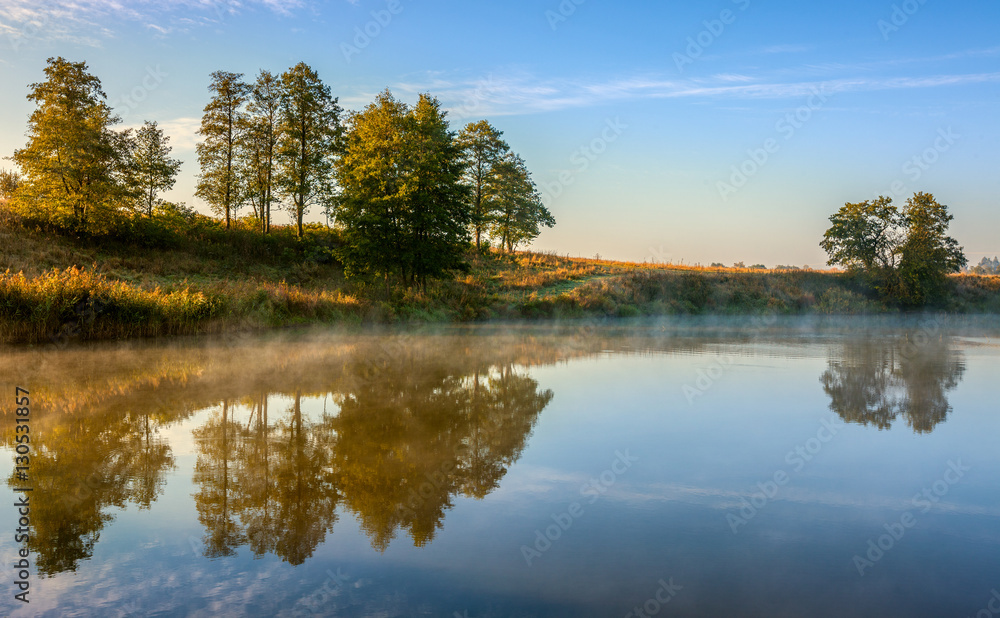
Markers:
point(82, 303)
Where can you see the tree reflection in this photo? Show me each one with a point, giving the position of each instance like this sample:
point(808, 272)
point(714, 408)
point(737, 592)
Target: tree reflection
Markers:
point(407, 428)
point(408, 441)
point(83, 469)
point(874, 382)
point(407, 438)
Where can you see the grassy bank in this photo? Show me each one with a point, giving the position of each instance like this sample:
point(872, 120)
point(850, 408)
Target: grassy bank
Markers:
point(57, 287)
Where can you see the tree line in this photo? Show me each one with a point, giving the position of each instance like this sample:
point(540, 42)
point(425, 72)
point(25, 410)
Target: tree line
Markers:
point(406, 194)
point(76, 171)
point(986, 266)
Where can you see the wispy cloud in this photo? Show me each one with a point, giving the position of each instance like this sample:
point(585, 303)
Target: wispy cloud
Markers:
point(786, 49)
point(523, 93)
point(87, 22)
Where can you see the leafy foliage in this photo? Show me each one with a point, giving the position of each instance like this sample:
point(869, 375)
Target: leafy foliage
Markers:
point(152, 168)
point(905, 255)
point(259, 134)
point(483, 148)
point(403, 207)
point(516, 204)
point(928, 254)
point(72, 161)
point(9, 181)
point(219, 183)
point(309, 133)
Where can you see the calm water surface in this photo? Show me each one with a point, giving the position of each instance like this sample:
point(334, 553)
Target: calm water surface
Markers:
point(683, 468)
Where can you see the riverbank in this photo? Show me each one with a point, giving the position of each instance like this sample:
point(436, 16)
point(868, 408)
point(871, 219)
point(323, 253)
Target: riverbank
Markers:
point(58, 287)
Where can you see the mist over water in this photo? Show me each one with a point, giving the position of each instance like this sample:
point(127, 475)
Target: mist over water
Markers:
point(688, 466)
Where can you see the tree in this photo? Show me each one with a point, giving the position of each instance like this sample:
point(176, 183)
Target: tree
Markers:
point(371, 173)
point(518, 207)
point(865, 238)
point(928, 254)
point(438, 200)
point(259, 145)
point(310, 135)
point(72, 158)
point(403, 207)
point(905, 255)
point(9, 181)
point(987, 266)
point(482, 149)
point(152, 167)
point(218, 184)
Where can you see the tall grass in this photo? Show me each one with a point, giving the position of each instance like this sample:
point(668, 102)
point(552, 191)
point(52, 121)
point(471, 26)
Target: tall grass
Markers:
point(80, 303)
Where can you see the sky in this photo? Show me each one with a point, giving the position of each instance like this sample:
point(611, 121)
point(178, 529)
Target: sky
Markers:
point(704, 132)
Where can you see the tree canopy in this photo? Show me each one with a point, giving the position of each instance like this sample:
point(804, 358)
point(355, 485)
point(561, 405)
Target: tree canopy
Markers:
point(482, 150)
point(217, 155)
point(309, 140)
point(153, 169)
point(904, 254)
point(403, 208)
point(71, 163)
point(517, 207)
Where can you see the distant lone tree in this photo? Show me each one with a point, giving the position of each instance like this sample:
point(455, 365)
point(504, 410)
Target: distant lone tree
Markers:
point(905, 255)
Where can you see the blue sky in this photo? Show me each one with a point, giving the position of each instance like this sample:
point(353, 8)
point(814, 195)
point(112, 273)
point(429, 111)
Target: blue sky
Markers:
point(717, 131)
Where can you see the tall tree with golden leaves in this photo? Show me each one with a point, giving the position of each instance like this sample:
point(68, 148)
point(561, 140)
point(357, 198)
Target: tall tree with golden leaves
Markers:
point(71, 161)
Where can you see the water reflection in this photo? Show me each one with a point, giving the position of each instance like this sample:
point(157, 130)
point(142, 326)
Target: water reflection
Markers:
point(83, 469)
point(408, 427)
point(873, 382)
point(266, 484)
point(387, 429)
